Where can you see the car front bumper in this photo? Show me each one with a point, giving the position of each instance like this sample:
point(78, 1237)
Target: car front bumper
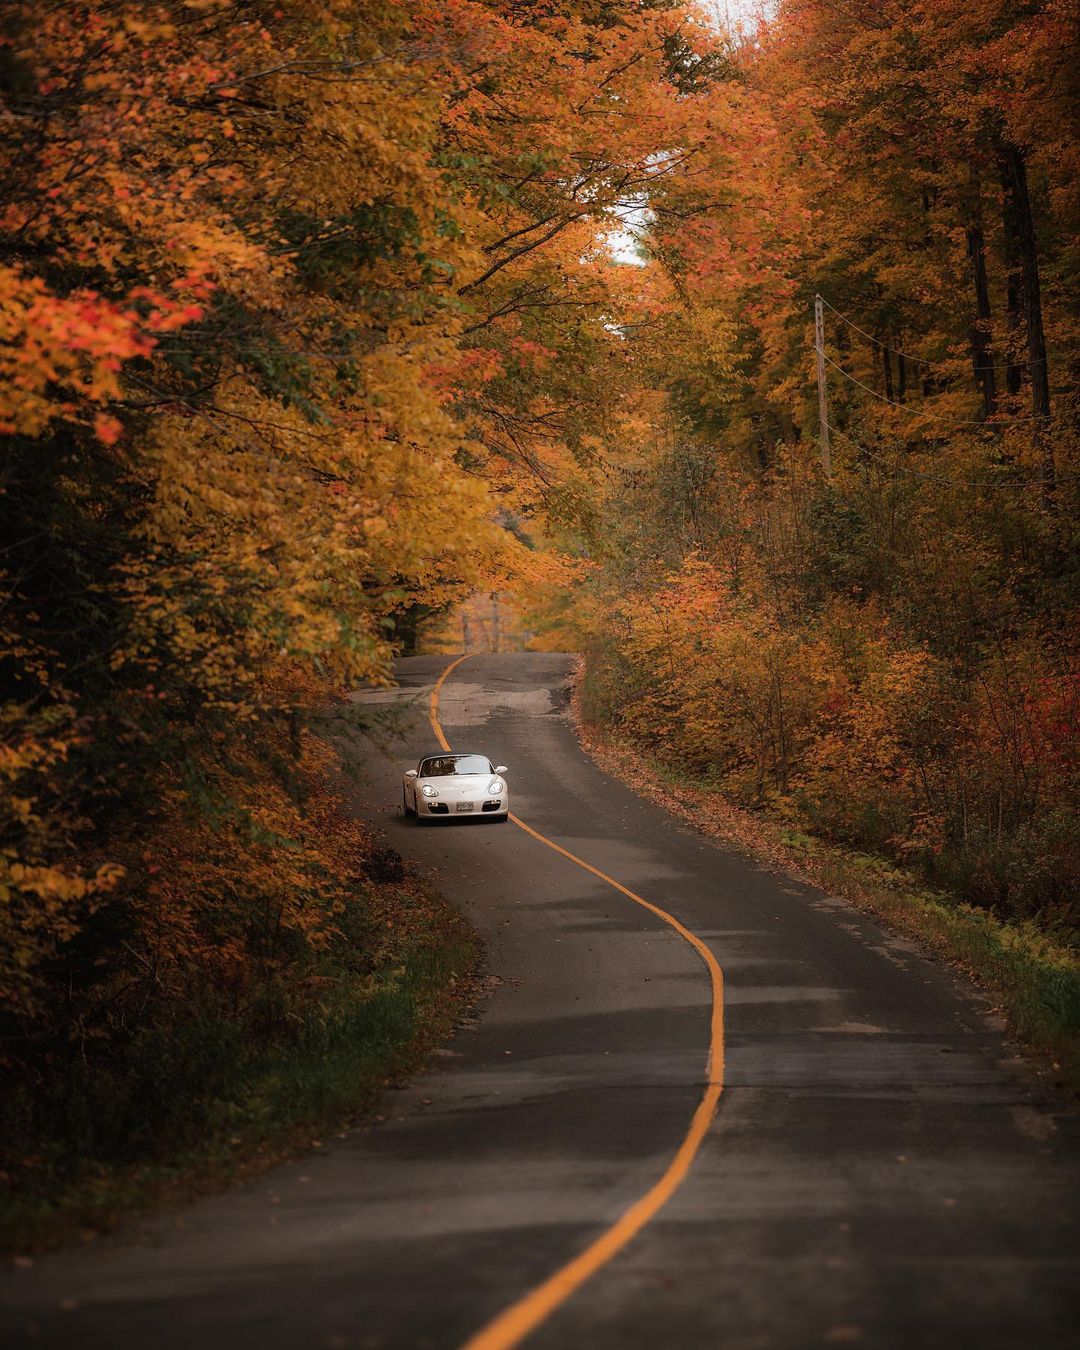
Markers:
point(447, 808)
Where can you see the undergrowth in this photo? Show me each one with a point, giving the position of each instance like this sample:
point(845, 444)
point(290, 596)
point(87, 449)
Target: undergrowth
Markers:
point(189, 1107)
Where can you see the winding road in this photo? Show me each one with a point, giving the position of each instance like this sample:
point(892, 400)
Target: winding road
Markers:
point(850, 1155)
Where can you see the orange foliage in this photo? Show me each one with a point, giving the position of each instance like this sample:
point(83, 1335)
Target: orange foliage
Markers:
point(307, 321)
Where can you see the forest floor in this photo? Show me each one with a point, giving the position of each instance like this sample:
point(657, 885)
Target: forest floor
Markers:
point(1034, 981)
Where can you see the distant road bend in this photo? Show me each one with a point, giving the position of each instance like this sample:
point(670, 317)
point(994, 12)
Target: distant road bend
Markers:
point(839, 1150)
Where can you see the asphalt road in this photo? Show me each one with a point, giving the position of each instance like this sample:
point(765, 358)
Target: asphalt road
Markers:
point(881, 1172)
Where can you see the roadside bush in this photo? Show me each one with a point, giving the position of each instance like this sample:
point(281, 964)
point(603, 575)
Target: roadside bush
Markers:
point(967, 772)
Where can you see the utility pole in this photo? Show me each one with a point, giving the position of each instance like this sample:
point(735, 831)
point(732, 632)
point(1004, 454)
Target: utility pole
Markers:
point(822, 389)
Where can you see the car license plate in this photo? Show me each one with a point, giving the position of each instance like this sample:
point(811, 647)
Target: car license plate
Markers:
point(464, 806)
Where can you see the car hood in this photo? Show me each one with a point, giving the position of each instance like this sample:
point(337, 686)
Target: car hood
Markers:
point(458, 784)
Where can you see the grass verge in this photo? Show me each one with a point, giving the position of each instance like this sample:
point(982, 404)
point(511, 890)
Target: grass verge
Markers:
point(211, 1104)
point(1034, 982)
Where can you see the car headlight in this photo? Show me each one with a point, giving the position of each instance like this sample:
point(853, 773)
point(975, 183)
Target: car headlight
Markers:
point(495, 787)
point(429, 791)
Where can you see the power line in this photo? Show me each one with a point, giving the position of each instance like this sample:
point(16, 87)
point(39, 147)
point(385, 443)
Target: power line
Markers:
point(917, 410)
point(921, 360)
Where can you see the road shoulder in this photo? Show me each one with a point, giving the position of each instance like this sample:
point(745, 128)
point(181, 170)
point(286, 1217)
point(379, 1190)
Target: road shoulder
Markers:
point(1032, 984)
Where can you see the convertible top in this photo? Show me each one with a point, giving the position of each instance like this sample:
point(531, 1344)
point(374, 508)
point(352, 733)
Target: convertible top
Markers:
point(453, 762)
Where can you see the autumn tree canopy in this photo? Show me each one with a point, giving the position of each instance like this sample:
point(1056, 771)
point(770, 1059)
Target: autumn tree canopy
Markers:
point(886, 654)
point(311, 322)
point(306, 315)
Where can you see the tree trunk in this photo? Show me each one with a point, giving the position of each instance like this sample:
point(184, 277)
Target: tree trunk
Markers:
point(981, 363)
point(1018, 200)
point(981, 360)
point(886, 364)
point(901, 375)
point(1014, 287)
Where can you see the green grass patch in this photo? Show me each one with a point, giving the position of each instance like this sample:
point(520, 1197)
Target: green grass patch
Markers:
point(1035, 983)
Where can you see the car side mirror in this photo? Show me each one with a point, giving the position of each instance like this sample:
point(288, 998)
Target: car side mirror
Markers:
point(410, 773)
point(500, 768)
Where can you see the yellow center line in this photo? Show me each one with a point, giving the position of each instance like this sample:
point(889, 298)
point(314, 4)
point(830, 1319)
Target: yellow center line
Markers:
point(512, 1325)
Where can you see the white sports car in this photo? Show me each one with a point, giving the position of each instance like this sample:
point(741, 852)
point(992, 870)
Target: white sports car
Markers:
point(449, 784)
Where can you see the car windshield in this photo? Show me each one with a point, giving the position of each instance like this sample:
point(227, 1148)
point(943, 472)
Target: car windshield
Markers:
point(441, 766)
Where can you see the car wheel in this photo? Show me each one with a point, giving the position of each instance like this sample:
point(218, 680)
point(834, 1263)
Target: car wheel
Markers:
point(409, 811)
